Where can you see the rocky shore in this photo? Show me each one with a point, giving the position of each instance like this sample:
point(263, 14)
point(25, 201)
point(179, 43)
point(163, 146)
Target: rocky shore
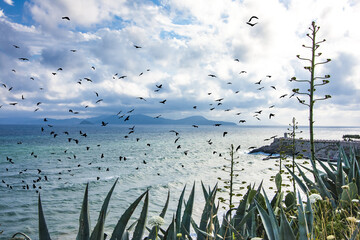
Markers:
point(324, 149)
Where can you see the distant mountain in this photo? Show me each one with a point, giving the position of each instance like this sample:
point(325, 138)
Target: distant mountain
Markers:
point(143, 119)
point(114, 119)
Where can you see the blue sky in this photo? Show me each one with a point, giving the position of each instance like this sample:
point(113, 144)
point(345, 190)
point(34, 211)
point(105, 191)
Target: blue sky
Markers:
point(182, 42)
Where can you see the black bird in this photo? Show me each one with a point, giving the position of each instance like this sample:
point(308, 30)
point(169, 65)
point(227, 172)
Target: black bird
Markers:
point(176, 133)
point(122, 77)
point(99, 100)
point(251, 24)
point(195, 126)
point(96, 94)
point(273, 87)
point(236, 60)
point(238, 148)
point(217, 124)
point(92, 67)
point(136, 46)
point(66, 18)
point(242, 72)
point(212, 75)
point(282, 96)
point(15, 46)
point(73, 50)
point(163, 101)
point(141, 98)
point(224, 134)
point(271, 115)
point(24, 59)
point(258, 82)
point(253, 17)
point(59, 69)
point(242, 121)
point(104, 123)
point(219, 100)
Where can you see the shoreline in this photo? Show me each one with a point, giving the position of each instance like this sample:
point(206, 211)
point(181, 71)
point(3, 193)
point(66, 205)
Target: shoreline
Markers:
point(324, 149)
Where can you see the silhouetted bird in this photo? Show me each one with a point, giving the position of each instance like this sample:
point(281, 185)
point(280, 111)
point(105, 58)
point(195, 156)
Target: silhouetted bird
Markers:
point(66, 18)
point(136, 46)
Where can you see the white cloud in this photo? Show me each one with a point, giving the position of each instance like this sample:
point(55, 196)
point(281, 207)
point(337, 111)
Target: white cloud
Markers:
point(182, 42)
point(10, 2)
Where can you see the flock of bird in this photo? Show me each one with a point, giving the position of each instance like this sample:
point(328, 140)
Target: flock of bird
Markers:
point(123, 115)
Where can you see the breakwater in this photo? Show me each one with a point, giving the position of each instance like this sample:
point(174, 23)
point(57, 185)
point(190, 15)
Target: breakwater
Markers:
point(324, 149)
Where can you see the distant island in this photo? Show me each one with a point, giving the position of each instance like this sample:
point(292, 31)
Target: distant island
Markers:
point(136, 119)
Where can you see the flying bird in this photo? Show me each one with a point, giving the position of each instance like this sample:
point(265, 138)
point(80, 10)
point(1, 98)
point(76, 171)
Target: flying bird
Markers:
point(66, 18)
point(250, 23)
point(271, 115)
point(24, 59)
point(212, 75)
point(104, 123)
point(163, 101)
point(15, 46)
point(137, 46)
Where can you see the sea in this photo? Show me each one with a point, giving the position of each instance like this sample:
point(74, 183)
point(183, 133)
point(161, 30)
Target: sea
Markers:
point(58, 161)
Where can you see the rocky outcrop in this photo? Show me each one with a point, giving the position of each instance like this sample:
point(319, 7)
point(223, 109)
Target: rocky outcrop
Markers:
point(324, 149)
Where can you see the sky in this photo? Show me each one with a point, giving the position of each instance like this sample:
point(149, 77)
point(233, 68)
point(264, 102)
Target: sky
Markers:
point(181, 43)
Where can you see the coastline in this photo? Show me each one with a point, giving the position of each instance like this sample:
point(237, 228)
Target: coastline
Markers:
point(324, 149)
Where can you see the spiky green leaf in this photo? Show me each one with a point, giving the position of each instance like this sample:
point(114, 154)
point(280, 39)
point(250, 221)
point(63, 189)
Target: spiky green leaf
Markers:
point(124, 219)
point(43, 230)
point(84, 220)
point(140, 226)
point(98, 232)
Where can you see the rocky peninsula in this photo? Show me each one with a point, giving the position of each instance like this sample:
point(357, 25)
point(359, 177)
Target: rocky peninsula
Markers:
point(324, 149)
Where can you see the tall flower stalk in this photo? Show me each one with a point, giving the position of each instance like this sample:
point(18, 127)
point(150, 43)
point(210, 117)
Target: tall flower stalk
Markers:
point(313, 82)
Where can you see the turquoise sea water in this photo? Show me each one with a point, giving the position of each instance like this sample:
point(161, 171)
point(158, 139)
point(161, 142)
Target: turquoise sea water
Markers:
point(153, 161)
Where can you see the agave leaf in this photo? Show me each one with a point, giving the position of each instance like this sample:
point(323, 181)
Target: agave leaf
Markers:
point(286, 232)
point(126, 235)
point(140, 226)
point(170, 233)
point(278, 181)
point(178, 211)
point(98, 232)
point(350, 193)
point(43, 230)
point(303, 230)
point(266, 222)
point(163, 212)
point(241, 210)
point(310, 184)
point(121, 225)
point(340, 179)
point(272, 216)
point(329, 172)
point(84, 220)
point(185, 223)
point(223, 232)
point(206, 194)
point(207, 212)
point(309, 215)
point(152, 234)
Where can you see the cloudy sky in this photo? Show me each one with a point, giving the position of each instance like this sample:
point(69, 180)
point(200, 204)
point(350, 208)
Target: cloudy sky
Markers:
point(182, 43)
